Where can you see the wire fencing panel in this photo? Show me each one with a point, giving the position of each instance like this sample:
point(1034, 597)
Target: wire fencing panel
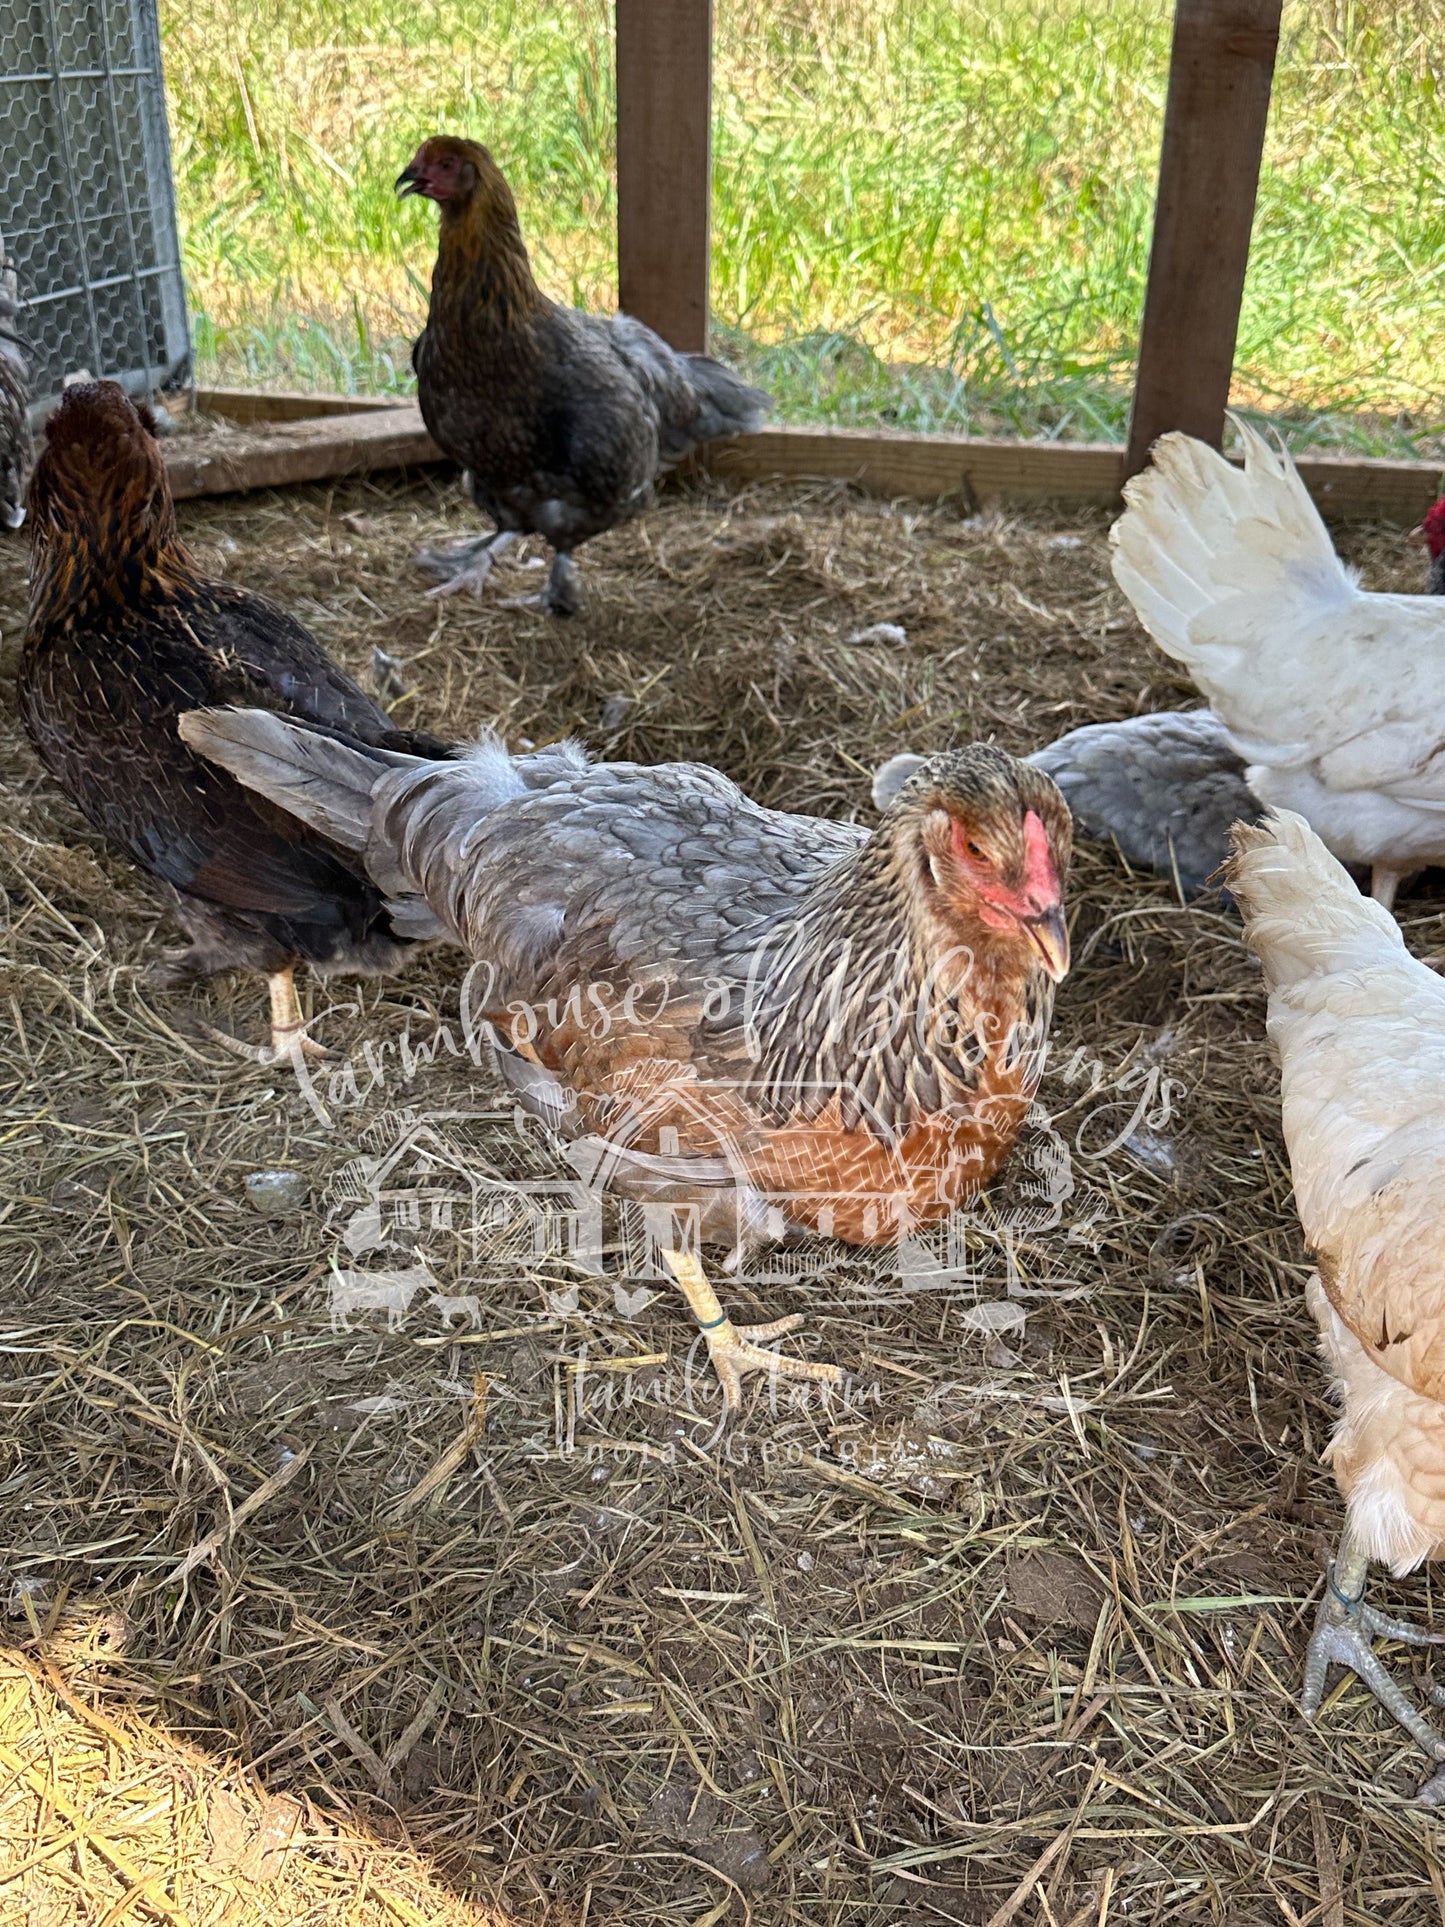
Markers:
point(87, 205)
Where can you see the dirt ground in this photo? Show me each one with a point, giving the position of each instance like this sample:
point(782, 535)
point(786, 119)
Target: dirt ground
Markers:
point(1011, 1631)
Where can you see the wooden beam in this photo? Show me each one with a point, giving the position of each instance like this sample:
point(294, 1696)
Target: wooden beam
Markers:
point(285, 404)
point(1220, 74)
point(300, 451)
point(930, 467)
point(927, 467)
point(664, 165)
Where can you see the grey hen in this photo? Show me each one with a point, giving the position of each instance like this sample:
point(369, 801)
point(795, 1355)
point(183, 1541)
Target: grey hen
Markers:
point(771, 1020)
point(16, 447)
point(1165, 788)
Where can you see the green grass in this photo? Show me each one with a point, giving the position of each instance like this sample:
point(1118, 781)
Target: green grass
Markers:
point(930, 212)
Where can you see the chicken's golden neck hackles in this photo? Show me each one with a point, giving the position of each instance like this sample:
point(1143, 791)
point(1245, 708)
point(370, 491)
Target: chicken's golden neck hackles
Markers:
point(767, 1021)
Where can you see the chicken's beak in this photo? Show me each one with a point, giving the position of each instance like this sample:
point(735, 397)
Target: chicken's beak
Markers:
point(1417, 535)
point(410, 181)
point(1049, 934)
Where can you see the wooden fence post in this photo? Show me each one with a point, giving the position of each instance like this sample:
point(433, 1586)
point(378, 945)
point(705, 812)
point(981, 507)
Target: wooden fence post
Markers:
point(1220, 73)
point(664, 165)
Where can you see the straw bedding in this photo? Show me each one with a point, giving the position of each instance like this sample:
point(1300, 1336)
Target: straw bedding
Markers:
point(475, 1598)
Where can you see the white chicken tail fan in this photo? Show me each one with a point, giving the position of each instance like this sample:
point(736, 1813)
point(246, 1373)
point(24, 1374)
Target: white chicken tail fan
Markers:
point(1221, 562)
point(1303, 914)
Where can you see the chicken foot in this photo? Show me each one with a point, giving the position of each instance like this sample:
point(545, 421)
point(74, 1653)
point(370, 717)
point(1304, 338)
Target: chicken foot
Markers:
point(288, 1027)
point(562, 595)
point(736, 1349)
point(1343, 1632)
point(468, 565)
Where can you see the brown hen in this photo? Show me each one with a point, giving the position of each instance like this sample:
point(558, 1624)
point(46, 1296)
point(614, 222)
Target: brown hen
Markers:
point(771, 1021)
point(562, 420)
point(126, 633)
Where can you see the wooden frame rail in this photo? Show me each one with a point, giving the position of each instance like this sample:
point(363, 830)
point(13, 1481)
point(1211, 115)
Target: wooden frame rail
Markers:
point(357, 437)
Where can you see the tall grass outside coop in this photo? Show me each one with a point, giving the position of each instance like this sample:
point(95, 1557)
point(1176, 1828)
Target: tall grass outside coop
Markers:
point(930, 214)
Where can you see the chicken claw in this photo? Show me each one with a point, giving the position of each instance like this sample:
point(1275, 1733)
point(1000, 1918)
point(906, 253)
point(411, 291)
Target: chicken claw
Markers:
point(289, 1040)
point(466, 566)
point(1342, 1636)
point(736, 1349)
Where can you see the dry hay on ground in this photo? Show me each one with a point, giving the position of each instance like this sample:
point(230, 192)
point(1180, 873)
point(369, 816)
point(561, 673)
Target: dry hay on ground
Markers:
point(104, 1814)
point(1010, 1633)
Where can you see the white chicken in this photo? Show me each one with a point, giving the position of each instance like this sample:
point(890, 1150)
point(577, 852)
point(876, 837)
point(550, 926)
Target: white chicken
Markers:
point(1359, 1028)
point(1334, 697)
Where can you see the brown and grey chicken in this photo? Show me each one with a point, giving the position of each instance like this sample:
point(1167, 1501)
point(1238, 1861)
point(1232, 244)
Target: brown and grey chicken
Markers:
point(16, 448)
point(562, 420)
point(126, 633)
point(770, 1021)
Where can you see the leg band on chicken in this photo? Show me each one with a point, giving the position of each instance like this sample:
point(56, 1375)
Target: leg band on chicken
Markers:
point(1343, 1632)
point(468, 565)
point(737, 1349)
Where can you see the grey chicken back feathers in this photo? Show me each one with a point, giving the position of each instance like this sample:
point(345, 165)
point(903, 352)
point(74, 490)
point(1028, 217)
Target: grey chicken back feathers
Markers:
point(509, 850)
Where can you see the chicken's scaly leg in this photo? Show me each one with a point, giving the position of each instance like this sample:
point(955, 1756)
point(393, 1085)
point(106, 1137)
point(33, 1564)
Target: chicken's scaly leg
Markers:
point(1342, 1636)
point(288, 1027)
point(736, 1349)
point(561, 597)
point(1383, 885)
point(468, 565)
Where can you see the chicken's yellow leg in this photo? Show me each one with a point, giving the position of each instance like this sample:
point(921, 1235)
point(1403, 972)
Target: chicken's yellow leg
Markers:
point(1383, 885)
point(288, 1027)
point(736, 1349)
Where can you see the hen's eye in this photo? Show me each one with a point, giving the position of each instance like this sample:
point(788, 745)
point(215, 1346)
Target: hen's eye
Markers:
point(975, 850)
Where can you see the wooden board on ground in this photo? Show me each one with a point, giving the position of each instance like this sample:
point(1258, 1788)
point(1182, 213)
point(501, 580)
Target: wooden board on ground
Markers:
point(290, 451)
point(357, 437)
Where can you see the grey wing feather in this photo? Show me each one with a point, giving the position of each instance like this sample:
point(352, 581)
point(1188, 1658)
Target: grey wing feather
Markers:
point(889, 778)
point(522, 858)
point(694, 398)
point(1166, 788)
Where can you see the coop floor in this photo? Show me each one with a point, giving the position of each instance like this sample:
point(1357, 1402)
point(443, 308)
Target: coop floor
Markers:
point(1027, 1603)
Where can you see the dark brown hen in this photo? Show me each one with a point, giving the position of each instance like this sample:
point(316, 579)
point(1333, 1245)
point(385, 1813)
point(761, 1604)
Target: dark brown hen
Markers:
point(125, 635)
point(760, 1021)
point(562, 420)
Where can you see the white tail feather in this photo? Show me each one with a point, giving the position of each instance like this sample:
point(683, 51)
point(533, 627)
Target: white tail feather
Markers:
point(1203, 547)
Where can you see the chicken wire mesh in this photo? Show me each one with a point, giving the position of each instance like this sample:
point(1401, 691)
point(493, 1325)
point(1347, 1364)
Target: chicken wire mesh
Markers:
point(87, 205)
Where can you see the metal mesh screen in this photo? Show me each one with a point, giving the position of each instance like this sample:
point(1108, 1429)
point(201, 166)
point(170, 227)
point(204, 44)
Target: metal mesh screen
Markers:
point(87, 206)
